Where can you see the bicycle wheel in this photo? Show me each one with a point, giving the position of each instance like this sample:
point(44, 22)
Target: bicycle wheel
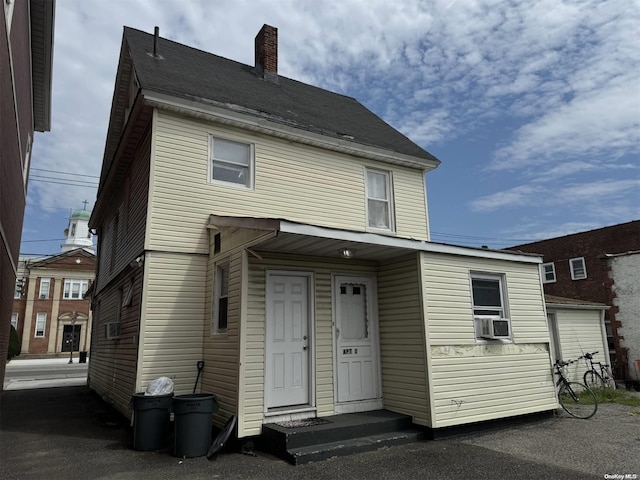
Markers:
point(593, 380)
point(578, 400)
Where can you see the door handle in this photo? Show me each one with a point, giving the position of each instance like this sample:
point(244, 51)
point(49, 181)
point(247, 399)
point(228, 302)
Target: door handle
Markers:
point(304, 347)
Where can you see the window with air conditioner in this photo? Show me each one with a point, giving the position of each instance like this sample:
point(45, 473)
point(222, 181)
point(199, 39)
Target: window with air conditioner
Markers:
point(490, 314)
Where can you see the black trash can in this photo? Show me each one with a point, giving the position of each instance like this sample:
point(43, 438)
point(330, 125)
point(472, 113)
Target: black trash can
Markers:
point(151, 416)
point(192, 424)
point(83, 357)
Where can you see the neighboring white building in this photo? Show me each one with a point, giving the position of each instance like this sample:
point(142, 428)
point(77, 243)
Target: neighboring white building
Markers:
point(78, 233)
point(625, 273)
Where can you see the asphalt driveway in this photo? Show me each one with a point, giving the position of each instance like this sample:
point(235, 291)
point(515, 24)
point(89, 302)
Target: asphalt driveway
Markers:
point(69, 433)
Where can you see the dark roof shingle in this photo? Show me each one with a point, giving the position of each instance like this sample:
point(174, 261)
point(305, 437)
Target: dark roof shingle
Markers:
point(204, 77)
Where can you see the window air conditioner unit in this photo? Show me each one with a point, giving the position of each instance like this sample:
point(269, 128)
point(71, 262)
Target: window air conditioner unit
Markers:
point(112, 330)
point(495, 327)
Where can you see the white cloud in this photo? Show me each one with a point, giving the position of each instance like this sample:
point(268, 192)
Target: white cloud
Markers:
point(551, 87)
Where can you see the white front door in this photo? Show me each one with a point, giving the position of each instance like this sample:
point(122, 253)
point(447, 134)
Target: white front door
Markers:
point(356, 333)
point(287, 342)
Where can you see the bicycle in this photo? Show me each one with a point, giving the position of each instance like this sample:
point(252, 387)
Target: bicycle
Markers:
point(594, 379)
point(576, 399)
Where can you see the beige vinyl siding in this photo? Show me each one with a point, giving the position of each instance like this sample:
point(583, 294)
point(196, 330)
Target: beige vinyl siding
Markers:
point(402, 339)
point(449, 301)
point(112, 367)
point(476, 385)
point(483, 380)
point(130, 202)
point(292, 181)
point(252, 415)
point(580, 331)
point(173, 319)
point(221, 351)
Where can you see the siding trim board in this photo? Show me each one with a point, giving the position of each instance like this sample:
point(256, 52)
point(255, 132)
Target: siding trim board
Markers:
point(212, 113)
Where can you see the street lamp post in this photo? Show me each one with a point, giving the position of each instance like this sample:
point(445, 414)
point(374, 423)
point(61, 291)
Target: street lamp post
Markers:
point(74, 318)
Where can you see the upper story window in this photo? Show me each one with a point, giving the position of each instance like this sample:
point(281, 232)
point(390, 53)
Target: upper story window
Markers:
point(231, 162)
point(578, 268)
point(548, 272)
point(379, 194)
point(73, 229)
point(45, 285)
point(75, 289)
point(489, 306)
point(14, 320)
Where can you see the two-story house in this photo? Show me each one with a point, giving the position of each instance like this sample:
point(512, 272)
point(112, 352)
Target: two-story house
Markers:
point(26, 53)
point(279, 232)
point(600, 265)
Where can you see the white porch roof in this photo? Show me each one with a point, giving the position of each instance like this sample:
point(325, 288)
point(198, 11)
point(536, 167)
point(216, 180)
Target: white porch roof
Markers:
point(304, 239)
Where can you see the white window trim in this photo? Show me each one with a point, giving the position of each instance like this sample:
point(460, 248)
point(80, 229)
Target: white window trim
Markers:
point(45, 295)
point(392, 221)
point(477, 319)
point(71, 282)
point(14, 319)
point(584, 267)
point(44, 325)
point(544, 272)
point(251, 166)
point(217, 290)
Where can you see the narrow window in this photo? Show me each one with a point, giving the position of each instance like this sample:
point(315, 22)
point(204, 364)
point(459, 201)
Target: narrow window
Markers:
point(379, 200)
point(548, 272)
point(231, 162)
point(221, 299)
point(578, 268)
point(73, 230)
point(41, 323)
point(45, 284)
point(14, 320)
point(20, 287)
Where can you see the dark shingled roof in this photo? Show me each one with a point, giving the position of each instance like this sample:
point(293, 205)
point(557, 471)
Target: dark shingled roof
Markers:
point(203, 77)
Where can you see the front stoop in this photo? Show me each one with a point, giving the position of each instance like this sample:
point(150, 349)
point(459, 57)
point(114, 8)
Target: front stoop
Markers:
point(342, 435)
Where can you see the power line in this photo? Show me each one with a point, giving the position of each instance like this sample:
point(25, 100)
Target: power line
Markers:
point(42, 179)
point(48, 240)
point(64, 173)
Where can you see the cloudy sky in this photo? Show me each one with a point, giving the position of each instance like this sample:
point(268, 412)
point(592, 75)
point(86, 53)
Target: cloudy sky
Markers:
point(532, 107)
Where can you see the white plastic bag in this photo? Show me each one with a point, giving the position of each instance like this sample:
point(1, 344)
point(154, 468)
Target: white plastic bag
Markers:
point(160, 386)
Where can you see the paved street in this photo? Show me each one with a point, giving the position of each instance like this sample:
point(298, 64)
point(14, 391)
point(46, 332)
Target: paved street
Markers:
point(70, 433)
point(44, 373)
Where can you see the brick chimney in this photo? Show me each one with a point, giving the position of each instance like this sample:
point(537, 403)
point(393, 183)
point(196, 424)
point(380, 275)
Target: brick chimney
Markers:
point(266, 45)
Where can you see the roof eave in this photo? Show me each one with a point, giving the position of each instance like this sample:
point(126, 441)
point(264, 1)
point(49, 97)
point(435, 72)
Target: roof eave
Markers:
point(42, 17)
point(225, 115)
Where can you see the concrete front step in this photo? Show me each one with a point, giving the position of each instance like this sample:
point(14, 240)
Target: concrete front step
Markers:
point(325, 451)
point(338, 435)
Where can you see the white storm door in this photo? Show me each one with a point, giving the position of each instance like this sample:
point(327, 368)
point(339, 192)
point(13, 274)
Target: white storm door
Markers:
point(287, 342)
point(356, 340)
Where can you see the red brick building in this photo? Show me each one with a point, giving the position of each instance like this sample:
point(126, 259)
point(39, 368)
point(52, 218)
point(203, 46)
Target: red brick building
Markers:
point(577, 266)
point(51, 314)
